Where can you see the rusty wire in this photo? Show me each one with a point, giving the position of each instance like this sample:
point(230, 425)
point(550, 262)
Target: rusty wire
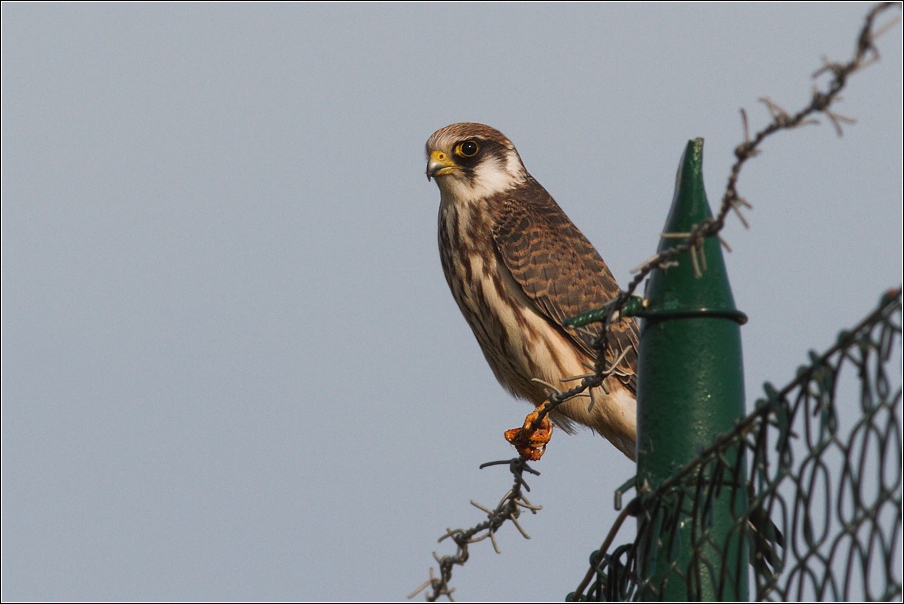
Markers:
point(822, 101)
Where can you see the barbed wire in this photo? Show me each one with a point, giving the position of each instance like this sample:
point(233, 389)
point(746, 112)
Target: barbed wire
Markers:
point(865, 54)
point(513, 501)
point(509, 508)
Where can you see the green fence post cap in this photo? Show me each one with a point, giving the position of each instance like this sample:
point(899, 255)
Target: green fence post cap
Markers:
point(680, 291)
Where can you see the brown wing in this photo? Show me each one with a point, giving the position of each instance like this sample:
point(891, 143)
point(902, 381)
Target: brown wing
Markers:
point(558, 269)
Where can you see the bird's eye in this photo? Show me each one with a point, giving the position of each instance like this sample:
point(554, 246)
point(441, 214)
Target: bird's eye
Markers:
point(467, 149)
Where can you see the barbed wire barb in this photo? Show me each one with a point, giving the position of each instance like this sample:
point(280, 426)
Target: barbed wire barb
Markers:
point(480, 507)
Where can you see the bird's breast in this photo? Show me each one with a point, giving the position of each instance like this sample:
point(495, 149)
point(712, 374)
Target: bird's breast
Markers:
point(518, 342)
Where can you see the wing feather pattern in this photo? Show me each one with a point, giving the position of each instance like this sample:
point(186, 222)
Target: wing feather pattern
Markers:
point(559, 270)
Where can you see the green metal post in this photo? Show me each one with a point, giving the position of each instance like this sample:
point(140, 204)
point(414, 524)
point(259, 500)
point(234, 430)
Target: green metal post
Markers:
point(690, 388)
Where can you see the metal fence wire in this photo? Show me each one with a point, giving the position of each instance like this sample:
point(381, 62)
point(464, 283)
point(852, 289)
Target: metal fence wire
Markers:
point(819, 512)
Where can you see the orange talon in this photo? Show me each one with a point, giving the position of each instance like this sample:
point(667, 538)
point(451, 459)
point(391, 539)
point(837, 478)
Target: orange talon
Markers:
point(531, 442)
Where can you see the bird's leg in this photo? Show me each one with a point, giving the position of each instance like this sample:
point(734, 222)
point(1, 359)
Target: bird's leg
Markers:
point(530, 441)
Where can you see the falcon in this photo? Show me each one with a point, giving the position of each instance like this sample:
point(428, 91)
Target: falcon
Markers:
point(517, 268)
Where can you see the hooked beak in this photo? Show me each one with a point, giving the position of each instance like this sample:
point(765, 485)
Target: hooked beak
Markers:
point(439, 164)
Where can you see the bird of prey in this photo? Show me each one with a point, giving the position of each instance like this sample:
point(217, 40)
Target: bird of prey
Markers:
point(517, 268)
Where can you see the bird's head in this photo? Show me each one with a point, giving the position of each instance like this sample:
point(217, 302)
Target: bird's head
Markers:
point(473, 161)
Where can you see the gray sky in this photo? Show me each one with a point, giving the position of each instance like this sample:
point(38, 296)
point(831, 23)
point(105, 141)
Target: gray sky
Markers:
point(231, 366)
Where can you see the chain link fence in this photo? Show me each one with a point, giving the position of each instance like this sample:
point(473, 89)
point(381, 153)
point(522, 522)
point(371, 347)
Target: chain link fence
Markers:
point(824, 489)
